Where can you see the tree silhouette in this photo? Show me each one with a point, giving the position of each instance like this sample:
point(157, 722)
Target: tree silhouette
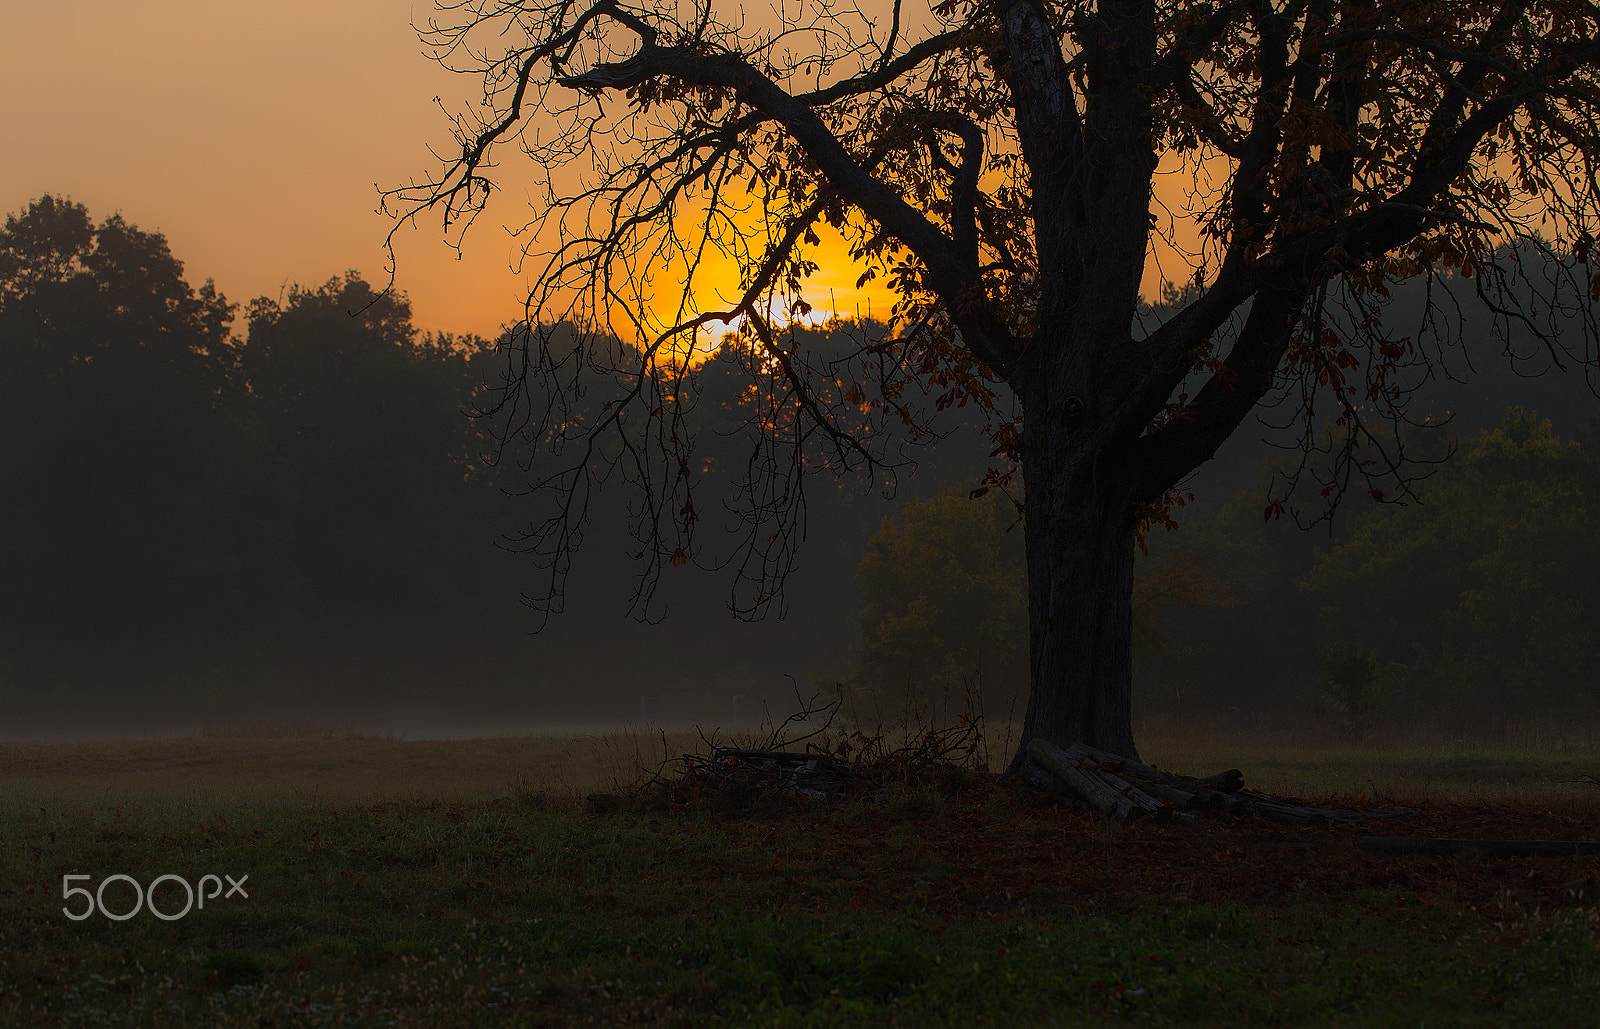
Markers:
point(1484, 591)
point(138, 521)
point(365, 413)
point(1000, 171)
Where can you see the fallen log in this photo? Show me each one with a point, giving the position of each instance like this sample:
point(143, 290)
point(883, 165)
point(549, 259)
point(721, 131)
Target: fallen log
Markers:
point(1129, 789)
point(1179, 799)
point(1215, 786)
point(1175, 793)
point(1204, 795)
point(1229, 802)
point(1231, 781)
point(1123, 803)
point(1498, 848)
point(1141, 800)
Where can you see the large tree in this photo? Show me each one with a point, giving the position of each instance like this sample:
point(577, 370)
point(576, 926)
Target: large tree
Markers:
point(1011, 166)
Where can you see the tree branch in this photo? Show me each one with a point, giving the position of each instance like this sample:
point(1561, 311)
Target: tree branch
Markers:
point(729, 70)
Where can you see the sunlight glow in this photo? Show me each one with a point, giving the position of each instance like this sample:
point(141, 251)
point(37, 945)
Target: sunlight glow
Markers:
point(779, 316)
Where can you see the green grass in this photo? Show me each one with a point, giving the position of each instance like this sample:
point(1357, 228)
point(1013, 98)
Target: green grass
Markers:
point(466, 883)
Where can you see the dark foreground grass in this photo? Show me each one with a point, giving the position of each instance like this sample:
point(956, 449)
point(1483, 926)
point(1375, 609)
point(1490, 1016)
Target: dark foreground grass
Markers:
point(958, 906)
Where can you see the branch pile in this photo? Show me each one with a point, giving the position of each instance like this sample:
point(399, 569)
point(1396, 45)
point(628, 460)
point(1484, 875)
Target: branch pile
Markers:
point(1128, 790)
point(732, 769)
point(804, 759)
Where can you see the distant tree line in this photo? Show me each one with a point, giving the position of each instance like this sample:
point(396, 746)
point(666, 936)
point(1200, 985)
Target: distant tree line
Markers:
point(1477, 607)
point(211, 509)
point(303, 509)
point(181, 501)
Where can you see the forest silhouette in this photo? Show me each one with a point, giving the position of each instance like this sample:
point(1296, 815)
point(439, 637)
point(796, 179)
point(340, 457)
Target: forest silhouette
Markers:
point(286, 510)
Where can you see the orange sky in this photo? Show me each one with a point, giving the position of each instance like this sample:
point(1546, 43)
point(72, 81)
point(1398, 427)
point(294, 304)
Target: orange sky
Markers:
point(253, 135)
point(250, 133)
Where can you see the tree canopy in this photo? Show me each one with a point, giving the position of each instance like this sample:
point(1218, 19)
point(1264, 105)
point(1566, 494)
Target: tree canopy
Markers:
point(1483, 592)
point(945, 622)
point(119, 394)
point(188, 512)
point(1009, 168)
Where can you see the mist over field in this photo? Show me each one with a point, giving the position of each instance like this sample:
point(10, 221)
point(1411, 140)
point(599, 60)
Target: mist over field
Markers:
point(251, 517)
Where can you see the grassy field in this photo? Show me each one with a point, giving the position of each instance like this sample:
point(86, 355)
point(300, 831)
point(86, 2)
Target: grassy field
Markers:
point(466, 883)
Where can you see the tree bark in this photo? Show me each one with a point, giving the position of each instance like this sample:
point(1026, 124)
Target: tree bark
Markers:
point(1079, 530)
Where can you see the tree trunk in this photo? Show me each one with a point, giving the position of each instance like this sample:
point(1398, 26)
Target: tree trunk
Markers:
point(1080, 539)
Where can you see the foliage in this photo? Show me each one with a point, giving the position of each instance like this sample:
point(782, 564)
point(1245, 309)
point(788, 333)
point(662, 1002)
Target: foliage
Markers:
point(945, 604)
point(1462, 610)
point(1484, 588)
point(945, 614)
point(205, 525)
point(1358, 685)
point(193, 508)
point(1468, 610)
point(1242, 654)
